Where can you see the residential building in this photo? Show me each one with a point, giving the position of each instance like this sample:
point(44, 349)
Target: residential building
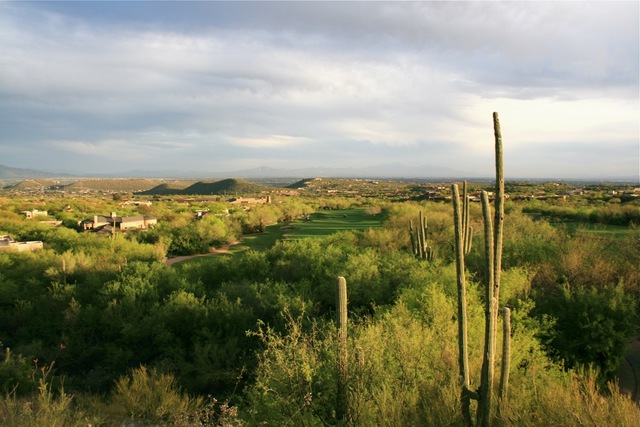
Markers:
point(8, 244)
point(121, 223)
point(34, 213)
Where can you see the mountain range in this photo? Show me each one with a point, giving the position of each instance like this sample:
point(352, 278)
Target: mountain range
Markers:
point(379, 171)
point(7, 172)
point(384, 171)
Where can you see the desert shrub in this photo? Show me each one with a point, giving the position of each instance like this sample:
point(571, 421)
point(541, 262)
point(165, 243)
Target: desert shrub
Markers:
point(15, 374)
point(593, 262)
point(570, 398)
point(440, 225)
point(528, 242)
point(592, 325)
point(48, 405)
point(151, 397)
point(293, 384)
point(403, 370)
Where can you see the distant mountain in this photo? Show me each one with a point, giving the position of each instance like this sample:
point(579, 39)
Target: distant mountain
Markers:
point(225, 187)
point(379, 171)
point(7, 172)
point(173, 187)
point(228, 187)
point(111, 184)
point(392, 170)
point(32, 185)
point(303, 183)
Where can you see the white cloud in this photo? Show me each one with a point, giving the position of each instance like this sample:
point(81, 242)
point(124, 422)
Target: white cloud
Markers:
point(269, 141)
point(421, 78)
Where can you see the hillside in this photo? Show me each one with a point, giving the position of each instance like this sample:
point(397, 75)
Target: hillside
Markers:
point(303, 183)
point(117, 185)
point(225, 187)
point(7, 172)
point(32, 185)
point(166, 188)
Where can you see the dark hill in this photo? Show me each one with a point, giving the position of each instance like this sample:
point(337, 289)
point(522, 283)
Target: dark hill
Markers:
point(303, 183)
point(227, 187)
point(167, 188)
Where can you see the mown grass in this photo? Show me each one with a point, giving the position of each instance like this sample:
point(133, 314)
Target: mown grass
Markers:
point(325, 223)
point(604, 230)
point(320, 224)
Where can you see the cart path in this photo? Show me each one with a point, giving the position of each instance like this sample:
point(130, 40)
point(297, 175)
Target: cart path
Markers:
point(220, 250)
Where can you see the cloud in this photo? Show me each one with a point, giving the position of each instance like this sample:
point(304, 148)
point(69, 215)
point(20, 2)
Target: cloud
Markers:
point(270, 141)
point(314, 82)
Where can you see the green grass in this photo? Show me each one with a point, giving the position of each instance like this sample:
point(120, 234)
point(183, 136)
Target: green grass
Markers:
point(603, 230)
point(320, 224)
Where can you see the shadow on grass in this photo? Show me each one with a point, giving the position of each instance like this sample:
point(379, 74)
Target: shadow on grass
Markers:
point(319, 225)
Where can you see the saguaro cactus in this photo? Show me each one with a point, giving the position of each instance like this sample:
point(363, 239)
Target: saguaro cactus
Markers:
point(499, 212)
point(467, 230)
point(486, 379)
point(492, 298)
point(342, 403)
point(463, 356)
point(493, 253)
point(419, 239)
point(506, 354)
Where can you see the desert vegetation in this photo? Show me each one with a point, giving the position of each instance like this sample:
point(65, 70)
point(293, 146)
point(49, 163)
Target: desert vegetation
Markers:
point(98, 330)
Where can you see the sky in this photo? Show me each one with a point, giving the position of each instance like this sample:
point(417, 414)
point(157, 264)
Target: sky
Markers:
point(110, 87)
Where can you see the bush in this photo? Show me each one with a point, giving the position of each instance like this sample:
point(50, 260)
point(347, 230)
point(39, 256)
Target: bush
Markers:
point(592, 326)
point(151, 397)
point(15, 374)
point(403, 370)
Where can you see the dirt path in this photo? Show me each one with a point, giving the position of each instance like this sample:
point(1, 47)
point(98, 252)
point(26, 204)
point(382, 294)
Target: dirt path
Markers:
point(629, 371)
point(220, 250)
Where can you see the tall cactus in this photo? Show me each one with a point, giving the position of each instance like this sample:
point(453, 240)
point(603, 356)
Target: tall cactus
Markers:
point(342, 402)
point(419, 239)
point(506, 354)
point(467, 230)
point(499, 212)
point(463, 356)
point(493, 265)
point(492, 299)
point(414, 242)
point(486, 379)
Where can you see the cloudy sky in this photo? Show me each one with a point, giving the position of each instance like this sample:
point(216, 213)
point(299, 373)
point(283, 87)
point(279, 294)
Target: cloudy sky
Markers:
point(216, 86)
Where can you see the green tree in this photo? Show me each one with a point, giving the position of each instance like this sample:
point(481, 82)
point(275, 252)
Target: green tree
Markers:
point(592, 325)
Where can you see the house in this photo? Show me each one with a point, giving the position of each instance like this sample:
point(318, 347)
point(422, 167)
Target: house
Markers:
point(136, 203)
point(201, 213)
point(121, 223)
point(34, 213)
point(249, 200)
point(8, 244)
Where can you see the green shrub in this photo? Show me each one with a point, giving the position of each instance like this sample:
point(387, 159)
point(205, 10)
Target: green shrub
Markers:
point(15, 374)
point(151, 397)
point(592, 325)
point(403, 371)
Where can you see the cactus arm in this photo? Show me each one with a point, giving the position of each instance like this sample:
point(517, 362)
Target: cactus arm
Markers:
point(506, 354)
point(463, 356)
point(486, 379)
point(342, 403)
point(499, 207)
